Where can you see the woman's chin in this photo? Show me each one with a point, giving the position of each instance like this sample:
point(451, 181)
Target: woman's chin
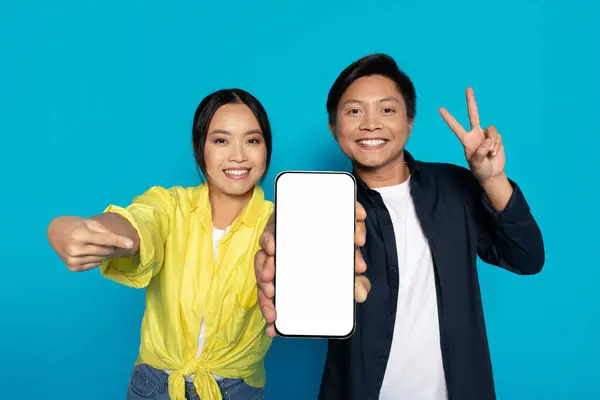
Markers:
point(237, 187)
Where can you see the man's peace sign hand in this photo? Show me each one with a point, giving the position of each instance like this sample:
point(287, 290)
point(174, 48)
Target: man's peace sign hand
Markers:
point(483, 148)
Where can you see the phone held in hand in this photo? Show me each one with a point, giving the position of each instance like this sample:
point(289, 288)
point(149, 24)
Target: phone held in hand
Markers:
point(315, 219)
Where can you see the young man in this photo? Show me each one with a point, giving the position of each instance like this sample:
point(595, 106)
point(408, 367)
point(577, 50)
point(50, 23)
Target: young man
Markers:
point(421, 331)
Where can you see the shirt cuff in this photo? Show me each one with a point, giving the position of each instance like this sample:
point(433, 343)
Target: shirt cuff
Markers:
point(516, 209)
point(135, 271)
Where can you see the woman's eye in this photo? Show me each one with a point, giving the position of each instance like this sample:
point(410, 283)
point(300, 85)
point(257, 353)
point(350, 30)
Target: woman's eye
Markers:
point(219, 141)
point(254, 141)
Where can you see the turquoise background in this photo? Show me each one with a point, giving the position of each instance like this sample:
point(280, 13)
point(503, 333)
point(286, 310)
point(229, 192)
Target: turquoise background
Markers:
point(96, 105)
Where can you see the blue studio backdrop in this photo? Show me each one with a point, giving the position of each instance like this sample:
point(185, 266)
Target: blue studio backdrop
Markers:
point(96, 105)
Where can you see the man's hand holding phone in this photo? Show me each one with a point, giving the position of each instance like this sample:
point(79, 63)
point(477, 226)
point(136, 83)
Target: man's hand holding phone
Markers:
point(264, 268)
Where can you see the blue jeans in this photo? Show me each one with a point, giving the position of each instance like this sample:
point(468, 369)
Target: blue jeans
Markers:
point(147, 382)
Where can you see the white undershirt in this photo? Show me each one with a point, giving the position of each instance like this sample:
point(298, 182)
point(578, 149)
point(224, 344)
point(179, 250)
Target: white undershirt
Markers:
point(414, 370)
point(217, 235)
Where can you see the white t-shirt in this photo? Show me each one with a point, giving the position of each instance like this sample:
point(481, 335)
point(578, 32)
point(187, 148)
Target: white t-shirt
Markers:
point(414, 370)
point(217, 235)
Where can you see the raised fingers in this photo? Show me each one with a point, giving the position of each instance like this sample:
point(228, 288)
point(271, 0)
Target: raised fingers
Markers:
point(454, 125)
point(472, 108)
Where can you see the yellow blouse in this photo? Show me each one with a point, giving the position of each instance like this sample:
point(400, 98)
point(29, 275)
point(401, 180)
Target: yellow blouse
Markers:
point(183, 282)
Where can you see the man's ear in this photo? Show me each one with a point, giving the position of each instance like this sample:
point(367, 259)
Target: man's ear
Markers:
point(332, 130)
point(410, 127)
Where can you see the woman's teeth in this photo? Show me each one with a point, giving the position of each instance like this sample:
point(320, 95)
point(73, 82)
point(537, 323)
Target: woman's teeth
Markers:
point(236, 172)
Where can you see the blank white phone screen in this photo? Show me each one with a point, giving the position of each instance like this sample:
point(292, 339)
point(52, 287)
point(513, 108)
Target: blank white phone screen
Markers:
point(314, 254)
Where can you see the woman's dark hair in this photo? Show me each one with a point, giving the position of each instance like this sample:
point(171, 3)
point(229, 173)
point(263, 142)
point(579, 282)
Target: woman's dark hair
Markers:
point(374, 64)
point(207, 109)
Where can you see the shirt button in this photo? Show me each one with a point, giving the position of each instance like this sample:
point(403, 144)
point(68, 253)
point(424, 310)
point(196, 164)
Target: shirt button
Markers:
point(386, 222)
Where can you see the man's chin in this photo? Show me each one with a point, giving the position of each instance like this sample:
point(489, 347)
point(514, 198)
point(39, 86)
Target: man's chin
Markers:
point(369, 165)
point(374, 163)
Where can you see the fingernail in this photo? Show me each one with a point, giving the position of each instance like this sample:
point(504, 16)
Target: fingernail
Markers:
point(128, 243)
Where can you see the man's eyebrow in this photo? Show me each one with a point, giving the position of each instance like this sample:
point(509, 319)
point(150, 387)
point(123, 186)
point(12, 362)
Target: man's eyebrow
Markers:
point(350, 101)
point(389, 98)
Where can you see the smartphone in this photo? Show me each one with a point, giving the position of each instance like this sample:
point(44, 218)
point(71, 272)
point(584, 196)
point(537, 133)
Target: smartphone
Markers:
point(315, 219)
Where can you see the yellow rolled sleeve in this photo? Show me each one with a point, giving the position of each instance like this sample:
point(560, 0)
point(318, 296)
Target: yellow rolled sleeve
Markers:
point(149, 214)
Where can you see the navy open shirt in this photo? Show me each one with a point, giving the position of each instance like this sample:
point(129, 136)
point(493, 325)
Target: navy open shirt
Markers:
point(460, 224)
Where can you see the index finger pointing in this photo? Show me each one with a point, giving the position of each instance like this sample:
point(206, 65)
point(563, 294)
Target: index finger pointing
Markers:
point(109, 239)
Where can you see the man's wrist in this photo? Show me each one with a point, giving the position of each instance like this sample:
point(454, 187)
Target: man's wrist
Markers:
point(498, 190)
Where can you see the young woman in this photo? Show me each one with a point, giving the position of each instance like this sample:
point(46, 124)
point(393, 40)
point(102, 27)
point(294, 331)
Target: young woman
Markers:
point(203, 335)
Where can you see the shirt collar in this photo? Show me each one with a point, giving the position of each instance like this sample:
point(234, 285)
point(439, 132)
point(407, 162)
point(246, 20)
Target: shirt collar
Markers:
point(250, 214)
point(412, 167)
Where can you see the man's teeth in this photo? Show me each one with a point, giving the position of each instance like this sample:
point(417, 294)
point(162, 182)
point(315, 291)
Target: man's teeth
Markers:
point(372, 142)
point(236, 171)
